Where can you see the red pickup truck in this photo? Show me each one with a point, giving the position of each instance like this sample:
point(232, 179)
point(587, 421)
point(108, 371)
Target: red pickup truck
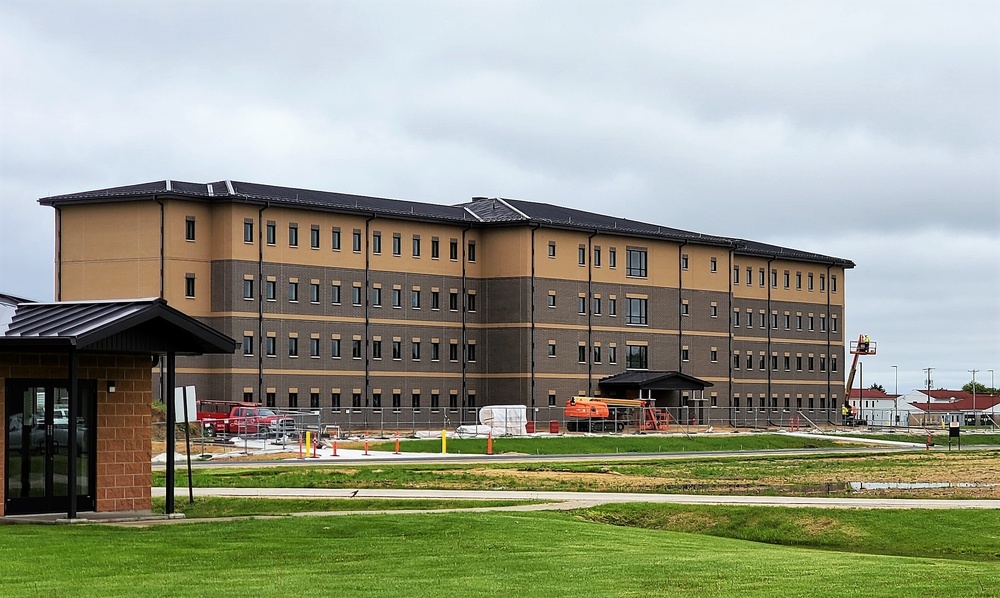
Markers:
point(243, 418)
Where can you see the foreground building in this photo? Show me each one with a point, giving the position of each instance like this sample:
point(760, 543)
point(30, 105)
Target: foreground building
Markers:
point(350, 303)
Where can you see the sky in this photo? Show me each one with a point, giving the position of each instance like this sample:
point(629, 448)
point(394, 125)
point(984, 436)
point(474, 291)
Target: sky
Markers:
point(864, 130)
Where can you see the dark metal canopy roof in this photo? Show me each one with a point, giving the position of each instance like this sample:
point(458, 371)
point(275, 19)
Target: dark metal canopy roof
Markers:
point(133, 326)
point(481, 211)
point(654, 381)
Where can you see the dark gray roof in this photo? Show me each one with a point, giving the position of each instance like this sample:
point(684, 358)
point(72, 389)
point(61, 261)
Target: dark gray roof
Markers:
point(132, 326)
point(654, 381)
point(480, 211)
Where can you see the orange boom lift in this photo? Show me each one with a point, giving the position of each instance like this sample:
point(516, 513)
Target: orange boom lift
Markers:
point(601, 414)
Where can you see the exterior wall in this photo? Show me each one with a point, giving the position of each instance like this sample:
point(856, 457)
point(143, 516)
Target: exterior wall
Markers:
point(124, 420)
point(692, 291)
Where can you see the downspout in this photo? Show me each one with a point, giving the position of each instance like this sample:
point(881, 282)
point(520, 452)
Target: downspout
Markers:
point(260, 303)
point(770, 285)
point(465, 333)
point(58, 253)
point(590, 314)
point(533, 321)
point(367, 292)
point(680, 306)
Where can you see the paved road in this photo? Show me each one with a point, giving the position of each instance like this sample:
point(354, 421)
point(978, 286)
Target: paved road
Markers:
point(572, 500)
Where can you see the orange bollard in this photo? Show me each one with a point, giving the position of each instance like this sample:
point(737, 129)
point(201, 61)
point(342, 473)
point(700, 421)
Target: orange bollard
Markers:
point(334, 447)
point(366, 446)
point(489, 443)
point(397, 446)
point(930, 441)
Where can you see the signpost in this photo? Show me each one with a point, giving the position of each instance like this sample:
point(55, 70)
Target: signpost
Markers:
point(954, 432)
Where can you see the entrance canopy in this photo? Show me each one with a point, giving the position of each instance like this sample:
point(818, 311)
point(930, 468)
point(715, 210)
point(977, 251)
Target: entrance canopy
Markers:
point(650, 381)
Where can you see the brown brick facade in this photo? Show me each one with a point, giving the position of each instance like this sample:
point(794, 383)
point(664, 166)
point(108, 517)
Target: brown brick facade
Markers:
point(123, 419)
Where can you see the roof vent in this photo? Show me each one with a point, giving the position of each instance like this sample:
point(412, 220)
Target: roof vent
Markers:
point(479, 198)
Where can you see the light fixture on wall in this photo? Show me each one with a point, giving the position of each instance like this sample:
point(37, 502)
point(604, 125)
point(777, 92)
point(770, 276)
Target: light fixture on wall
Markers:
point(111, 385)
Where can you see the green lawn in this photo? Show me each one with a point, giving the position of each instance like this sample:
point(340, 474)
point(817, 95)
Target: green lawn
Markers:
point(588, 445)
point(495, 554)
point(940, 438)
point(215, 506)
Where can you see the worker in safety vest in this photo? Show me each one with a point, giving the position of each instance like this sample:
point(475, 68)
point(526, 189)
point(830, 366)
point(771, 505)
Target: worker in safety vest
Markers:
point(863, 347)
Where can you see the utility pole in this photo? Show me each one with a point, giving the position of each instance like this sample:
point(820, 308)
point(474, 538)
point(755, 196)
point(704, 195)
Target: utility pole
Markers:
point(895, 399)
point(928, 370)
point(975, 418)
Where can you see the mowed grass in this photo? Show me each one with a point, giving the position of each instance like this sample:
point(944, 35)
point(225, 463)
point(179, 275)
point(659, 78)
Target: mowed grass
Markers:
point(215, 506)
point(588, 445)
point(492, 554)
point(940, 438)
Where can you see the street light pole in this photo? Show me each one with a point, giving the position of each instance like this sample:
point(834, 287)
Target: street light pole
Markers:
point(895, 398)
point(928, 370)
point(975, 419)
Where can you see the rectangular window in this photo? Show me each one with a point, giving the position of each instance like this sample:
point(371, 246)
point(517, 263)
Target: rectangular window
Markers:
point(581, 257)
point(736, 318)
point(581, 305)
point(435, 300)
point(552, 298)
point(271, 232)
point(833, 363)
point(787, 362)
point(597, 353)
point(248, 288)
point(713, 355)
point(189, 228)
point(581, 354)
point(685, 307)
point(713, 311)
point(377, 400)
point(736, 275)
point(798, 281)
point(786, 279)
point(377, 296)
point(684, 262)
point(636, 313)
point(314, 399)
point(293, 235)
point(612, 306)
point(822, 323)
point(356, 295)
point(761, 272)
point(335, 294)
point(335, 348)
point(736, 361)
point(247, 344)
point(335, 400)
point(453, 301)
point(822, 282)
point(472, 252)
point(435, 400)
point(356, 241)
point(397, 349)
point(453, 250)
point(416, 246)
point(833, 324)
point(397, 297)
point(788, 321)
point(271, 348)
point(415, 399)
point(397, 244)
point(376, 349)
point(809, 281)
point(376, 242)
point(552, 349)
point(314, 243)
point(435, 248)
point(435, 351)
point(612, 257)
point(453, 351)
point(471, 301)
point(293, 291)
point(798, 363)
point(269, 399)
point(356, 399)
point(635, 262)
point(552, 249)
point(293, 346)
point(685, 354)
point(774, 321)
point(798, 322)
point(415, 352)
point(293, 399)
point(811, 321)
point(597, 306)
point(613, 354)
point(415, 299)
point(335, 236)
point(811, 361)
point(597, 257)
point(314, 347)
point(314, 292)
point(636, 357)
point(552, 399)
point(471, 352)
point(713, 265)
point(248, 231)
point(749, 361)
point(356, 348)
point(189, 286)
point(833, 283)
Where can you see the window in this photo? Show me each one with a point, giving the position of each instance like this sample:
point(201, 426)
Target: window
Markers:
point(597, 353)
point(471, 399)
point(314, 347)
point(798, 321)
point(189, 286)
point(612, 258)
point(376, 349)
point(798, 281)
point(471, 352)
point(453, 250)
point(271, 232)
point(314, 399)
point(762, 362)
point(736, 318)
point(684, 262)
point(552, 299)
point(335, 294)
point(356, 399)
point(416, 246)
point(293, 291)
point(415, 298)
point(749, 276)
point(435, 351)
point(833, 363)
point(293, 235)
point(774, 320)
point(314, 292)
point(581, 354)
point(293, 399)
point(597, 257)
point(248, 288)
point(335, 400)
point(335, 348)
point(415, 353)
point(293, 346)
point(453, 351)
point(552, 349)
point(397, 297)
point(435, 248)
point(189, 228)
point(472, 301)
point(248, 231)
point(248, 344)
point(833, 324)
point(435, 300)
point(736, 275)
point(761, 277)
point(636, 312)
point(356, 241)
point(356, 295)
point(596, 306)
point(552, 399)
point(248, 397)
point(271, 348)
point(377, 400)
point(809, 281)
point(713, 355)
point(636, 357)
point(798, 363)
point(552, 249)
point(453, 301)
point(377, 296)
point(812, 362)
point(760, 320)
point(822, 323)
point(685, 354)
point(636, 262)
point(356, 348)
point(472, 252)
point(314, 244)
point(788, 321)
point(397, 244)
point(774, 362)
point(415, 399)
point(581, 255)
point(833, 283)
point(685, 307)
point(811, 321)
point(335, 236)
point(713, 265)
point(612, 306)
point(736, 361)
point(713, 311)
point(774, 279)
point(435, 400)
point(613, 354)
point(581, 305)
point(397, 349)
point(787, 362)
point(749, 361)
point(786, 279)
point(376, 242)
point(822, 363)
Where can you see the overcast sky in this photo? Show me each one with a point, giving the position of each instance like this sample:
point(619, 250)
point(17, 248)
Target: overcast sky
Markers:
point(864, 130)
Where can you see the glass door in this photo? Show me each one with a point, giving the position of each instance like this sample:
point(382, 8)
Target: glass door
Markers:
point(37, 446)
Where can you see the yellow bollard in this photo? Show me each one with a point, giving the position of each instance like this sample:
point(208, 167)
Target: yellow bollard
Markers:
point(444, 441)
point(308, 442)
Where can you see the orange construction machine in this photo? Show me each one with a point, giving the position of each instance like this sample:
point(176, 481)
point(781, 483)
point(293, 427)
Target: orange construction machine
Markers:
point(601, 414)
